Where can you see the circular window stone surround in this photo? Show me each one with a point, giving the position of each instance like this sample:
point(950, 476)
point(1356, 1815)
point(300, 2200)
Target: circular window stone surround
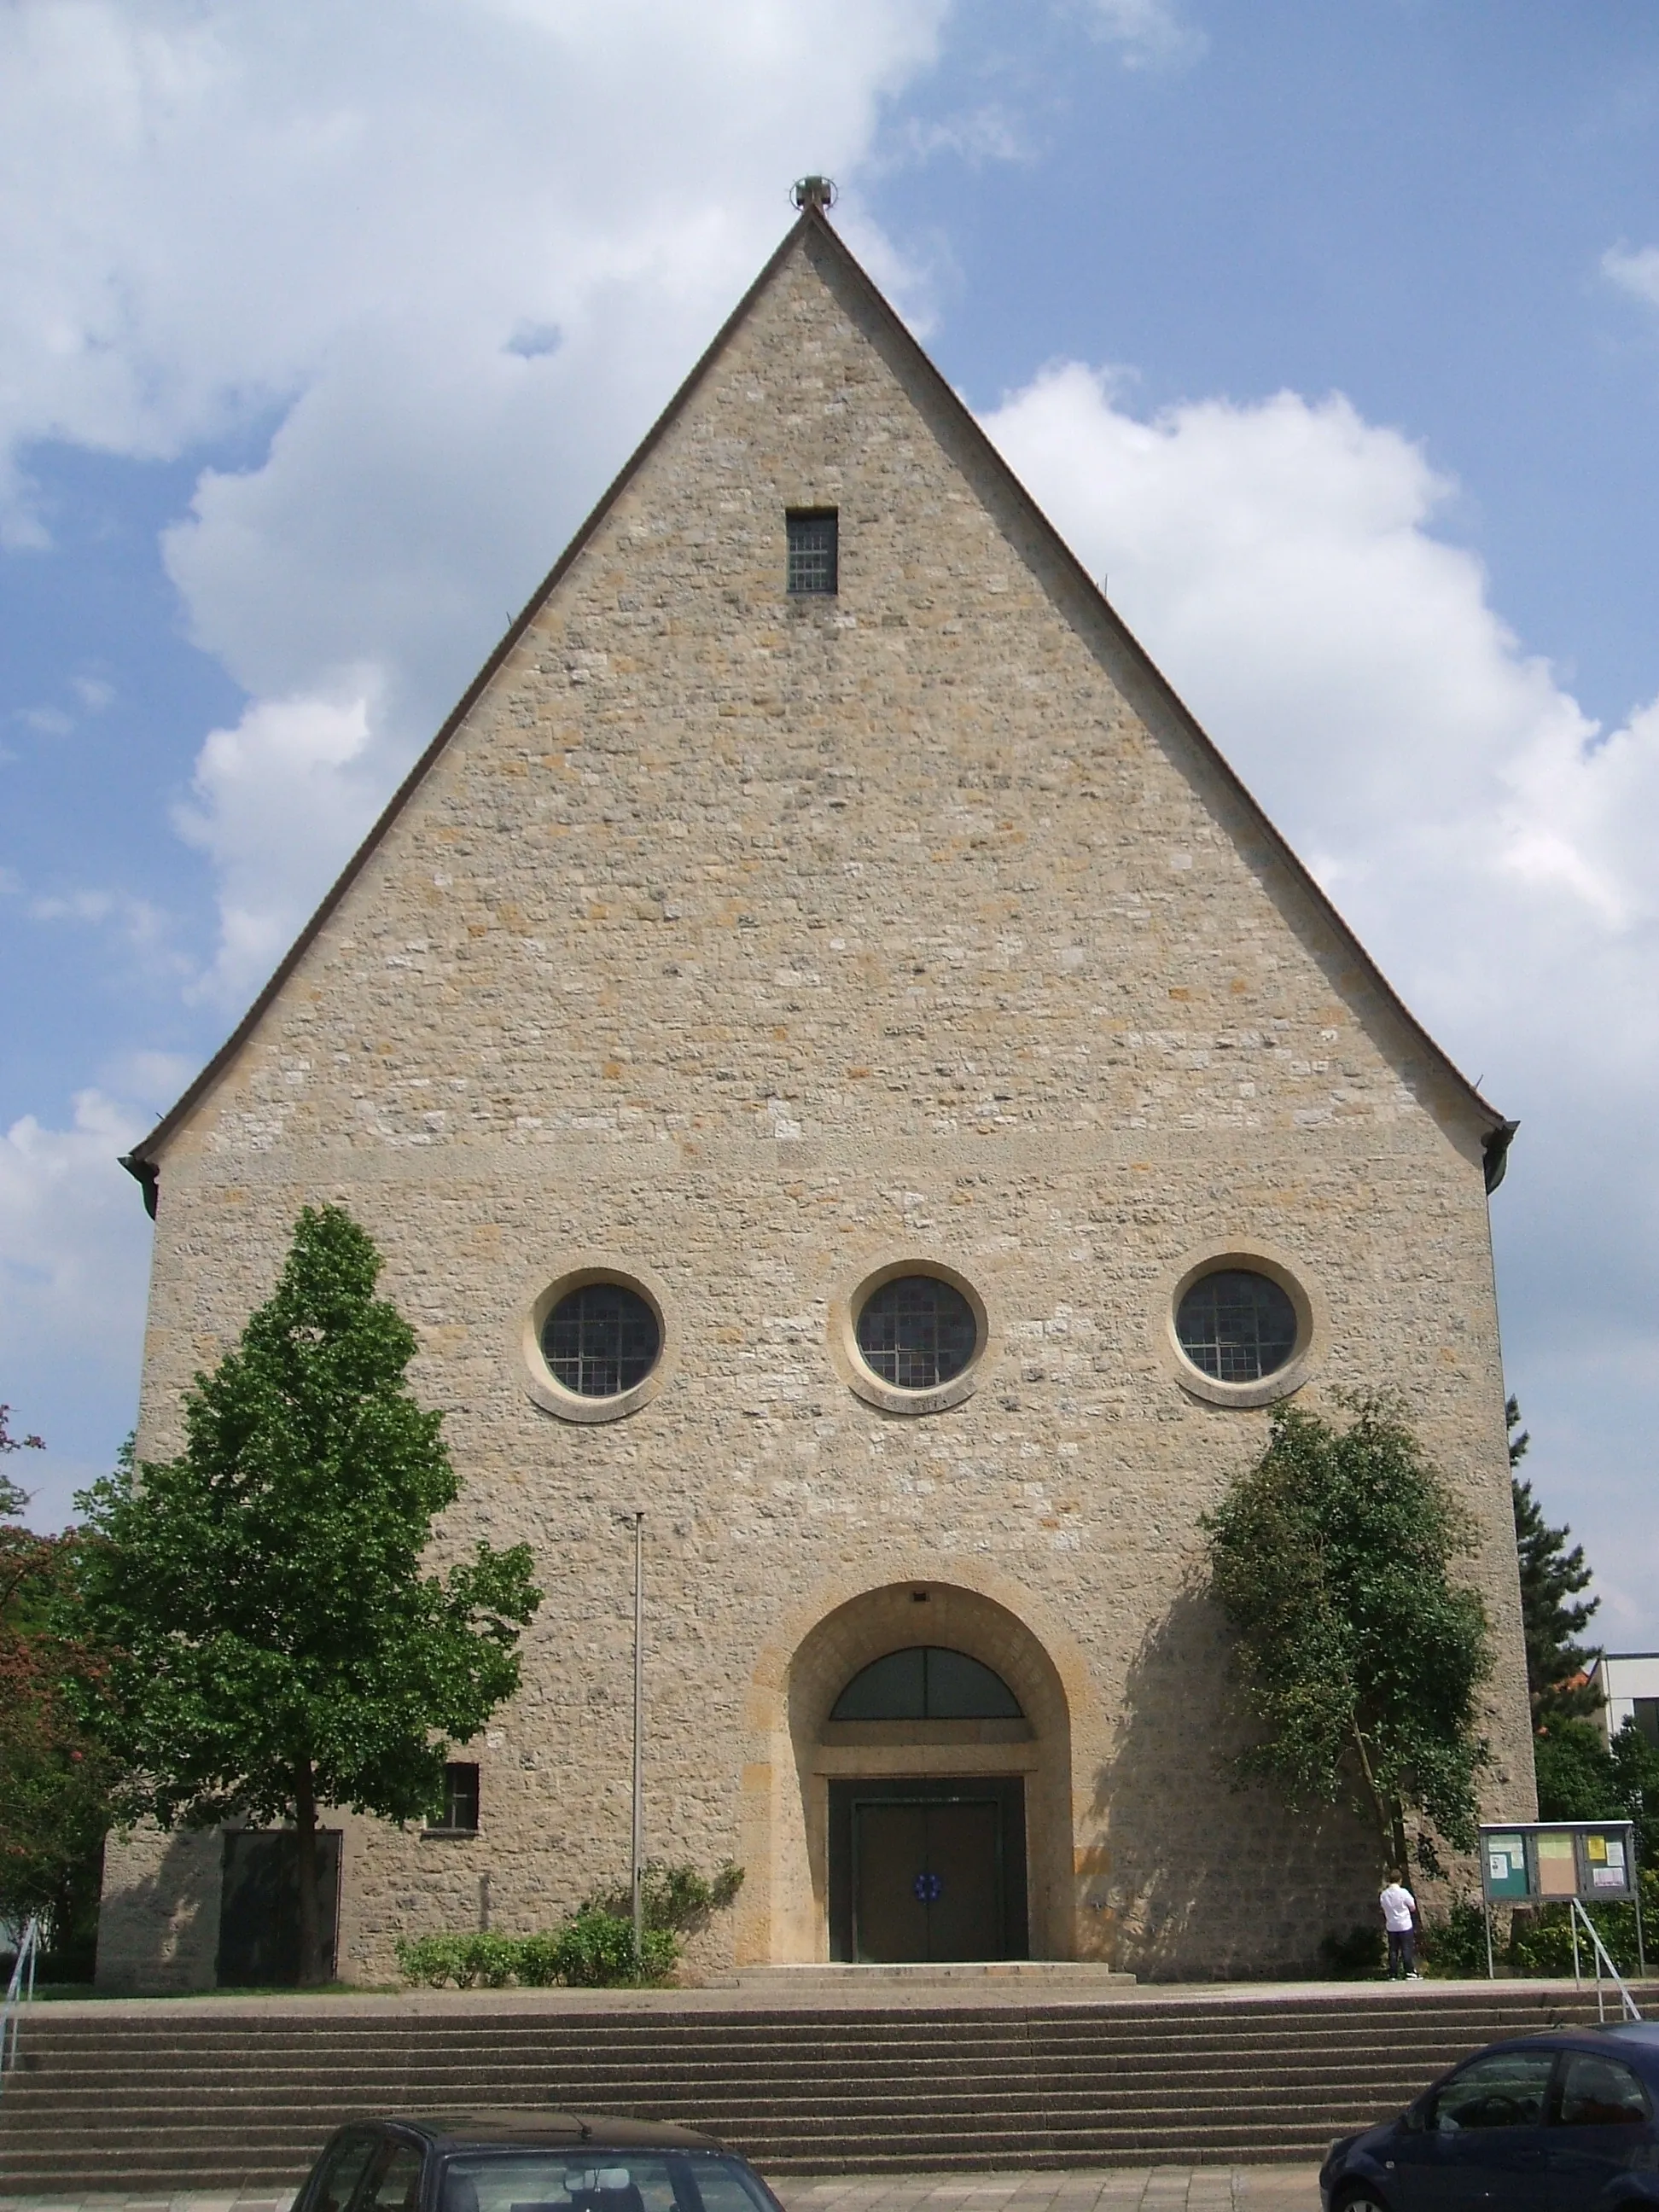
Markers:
point(539, 1383)
point(847, 1302)
point(1313, 1330)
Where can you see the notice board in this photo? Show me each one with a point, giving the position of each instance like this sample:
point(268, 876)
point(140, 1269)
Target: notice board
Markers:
point(1545, 1862)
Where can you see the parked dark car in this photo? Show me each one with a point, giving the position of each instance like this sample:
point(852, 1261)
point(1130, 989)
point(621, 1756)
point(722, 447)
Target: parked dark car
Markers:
point(1560, 2122)
point(504, 2162)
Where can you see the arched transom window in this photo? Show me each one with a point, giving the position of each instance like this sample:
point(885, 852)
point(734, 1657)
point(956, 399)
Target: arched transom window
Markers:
point(926, 1683)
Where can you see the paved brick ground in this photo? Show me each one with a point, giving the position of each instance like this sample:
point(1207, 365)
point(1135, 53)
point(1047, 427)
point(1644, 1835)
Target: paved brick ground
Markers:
point(1130, 2189)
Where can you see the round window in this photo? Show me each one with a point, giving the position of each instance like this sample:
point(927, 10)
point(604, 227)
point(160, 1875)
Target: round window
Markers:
point(1237, 1325)
point(600, 1339)
point(916, 1332)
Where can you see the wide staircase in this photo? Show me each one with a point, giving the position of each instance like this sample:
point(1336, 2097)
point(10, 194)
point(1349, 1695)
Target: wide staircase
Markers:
point(159, 2098)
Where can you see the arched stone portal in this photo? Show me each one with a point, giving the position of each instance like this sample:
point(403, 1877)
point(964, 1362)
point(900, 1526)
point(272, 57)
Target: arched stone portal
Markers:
point(797, 1798)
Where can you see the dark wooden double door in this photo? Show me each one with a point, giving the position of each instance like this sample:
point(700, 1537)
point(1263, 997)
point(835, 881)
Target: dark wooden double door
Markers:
point(927, 1870)
point(259, 1906)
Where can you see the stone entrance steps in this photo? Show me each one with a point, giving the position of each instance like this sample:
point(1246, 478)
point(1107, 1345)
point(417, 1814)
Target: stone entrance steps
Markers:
point(156, 2097)
point(1039, 1979)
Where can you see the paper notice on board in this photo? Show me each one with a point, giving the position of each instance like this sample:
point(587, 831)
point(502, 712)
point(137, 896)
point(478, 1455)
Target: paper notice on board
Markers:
point(1506, 1867)
point(1557, 1868)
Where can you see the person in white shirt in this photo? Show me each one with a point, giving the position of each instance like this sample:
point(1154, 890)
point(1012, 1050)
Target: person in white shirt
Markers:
point(1399, 1918)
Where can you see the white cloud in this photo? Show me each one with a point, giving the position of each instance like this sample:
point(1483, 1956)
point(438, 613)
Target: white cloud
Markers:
point(977, 135)
point(1491, 847)
point(456, 254)
point(278, 802)
point(151, 1080)
point(137, 925)
point(142, 924)
point(91, 693)
point(1636, 273)
point(1151, 33)
point(46, 721)
point(74, 1263)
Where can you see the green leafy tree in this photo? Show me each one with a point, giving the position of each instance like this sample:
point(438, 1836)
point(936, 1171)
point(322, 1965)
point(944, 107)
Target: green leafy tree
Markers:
point(1582, 1777)
point(1552, 1615)
point(57, 1784)
point(274, 1642)
point(1360, 1656)
point(1576, 1779)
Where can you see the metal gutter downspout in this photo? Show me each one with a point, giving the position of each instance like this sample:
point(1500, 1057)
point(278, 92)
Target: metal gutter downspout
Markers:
point(149, 1176)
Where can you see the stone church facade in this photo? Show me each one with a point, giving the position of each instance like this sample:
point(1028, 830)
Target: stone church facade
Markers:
point(742, 960)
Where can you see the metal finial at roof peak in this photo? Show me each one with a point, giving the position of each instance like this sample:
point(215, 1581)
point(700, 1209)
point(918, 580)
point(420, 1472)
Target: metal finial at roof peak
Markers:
point(817, 192)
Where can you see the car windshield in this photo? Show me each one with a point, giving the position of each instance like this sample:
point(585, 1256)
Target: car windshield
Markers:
point(555, 2181)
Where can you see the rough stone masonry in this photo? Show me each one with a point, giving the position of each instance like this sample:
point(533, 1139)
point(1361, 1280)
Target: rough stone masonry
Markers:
point(745, 947)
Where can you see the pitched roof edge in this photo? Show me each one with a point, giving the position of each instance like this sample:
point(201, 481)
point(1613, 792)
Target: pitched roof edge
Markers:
point(142, 1161)
point(1499, 1130)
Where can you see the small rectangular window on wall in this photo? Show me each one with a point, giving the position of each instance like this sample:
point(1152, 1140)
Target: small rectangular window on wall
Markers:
point(814, 550)
point(459, 1814)
point(1646, 1716)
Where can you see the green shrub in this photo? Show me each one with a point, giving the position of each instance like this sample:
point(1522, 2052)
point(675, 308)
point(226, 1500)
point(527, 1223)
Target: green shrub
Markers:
point(595, 1951)
point(494, 1961)
point(431, 1961)
point(538, 1962)
point(1540, 1942)
point(1352, 1957)
point(675, 1897)
point(1455, 1949)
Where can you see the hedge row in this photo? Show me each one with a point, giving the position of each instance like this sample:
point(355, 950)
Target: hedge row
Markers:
point(595, 1950)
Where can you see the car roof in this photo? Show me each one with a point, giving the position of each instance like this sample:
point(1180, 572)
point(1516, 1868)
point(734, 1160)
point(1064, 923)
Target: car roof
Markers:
point(491, 2124)
point(1639, 2037)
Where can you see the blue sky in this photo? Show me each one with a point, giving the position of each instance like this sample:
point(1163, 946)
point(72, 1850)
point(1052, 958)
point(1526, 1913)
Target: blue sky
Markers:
point(1330, 333)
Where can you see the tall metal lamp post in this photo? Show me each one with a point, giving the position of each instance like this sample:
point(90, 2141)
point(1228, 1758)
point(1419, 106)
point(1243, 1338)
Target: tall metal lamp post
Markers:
point(637, 1856)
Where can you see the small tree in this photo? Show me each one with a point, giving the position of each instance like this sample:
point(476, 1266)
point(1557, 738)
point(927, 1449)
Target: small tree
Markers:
point(1551, 1579)
point(275, 1643)
point(1360, 1656)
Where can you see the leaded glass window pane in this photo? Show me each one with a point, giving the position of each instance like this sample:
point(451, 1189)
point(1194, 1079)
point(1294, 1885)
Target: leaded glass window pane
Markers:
point(916, 1332)
point(601, 1340)
point(1237, 1325)
point(814, 550)
point(927, 1682)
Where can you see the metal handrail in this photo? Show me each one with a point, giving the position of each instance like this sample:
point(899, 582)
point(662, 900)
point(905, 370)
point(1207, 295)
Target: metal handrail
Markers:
point(1602, 1959)
point(19, 1992)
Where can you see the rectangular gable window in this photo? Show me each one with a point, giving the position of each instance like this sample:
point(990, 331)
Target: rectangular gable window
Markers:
point(459, 1816)
point(814, 550)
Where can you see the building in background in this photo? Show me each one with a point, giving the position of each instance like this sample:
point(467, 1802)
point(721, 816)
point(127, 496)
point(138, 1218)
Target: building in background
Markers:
point(835, 1058)
point(1629, 1684)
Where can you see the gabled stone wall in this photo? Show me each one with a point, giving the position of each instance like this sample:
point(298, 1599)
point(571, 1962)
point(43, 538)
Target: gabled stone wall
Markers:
point(746, 947)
